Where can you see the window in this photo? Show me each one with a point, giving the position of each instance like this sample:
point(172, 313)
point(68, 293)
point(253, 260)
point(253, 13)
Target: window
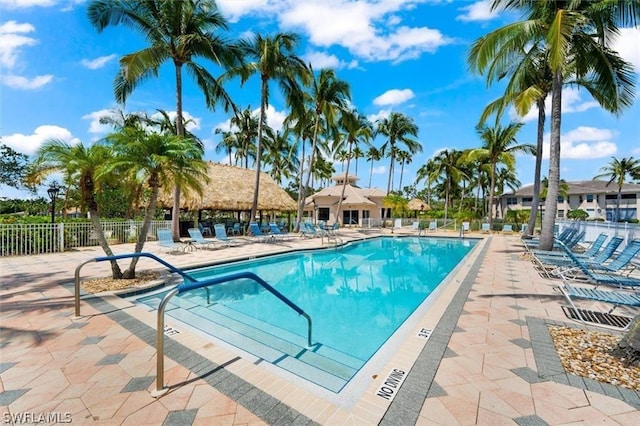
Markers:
point(323, 213)
point(589, 198)
point(560, 213)
point(511, 201)
point(628, 196)
point(560, 199)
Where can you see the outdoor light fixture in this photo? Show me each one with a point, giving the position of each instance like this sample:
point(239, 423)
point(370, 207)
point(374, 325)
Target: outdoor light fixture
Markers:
point(53, 191)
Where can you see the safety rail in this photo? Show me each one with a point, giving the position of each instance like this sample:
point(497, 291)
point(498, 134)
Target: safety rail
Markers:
point(192, 284)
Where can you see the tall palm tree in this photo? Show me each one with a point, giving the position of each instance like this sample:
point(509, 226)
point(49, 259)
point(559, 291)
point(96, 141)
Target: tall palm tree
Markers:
point(398, 129)
point(272, 58)
point(446, 166)
point(357, 153)
point(373, 154)
point(178, 31)
point(82, 165)
point(329, 95)
point(506, 177)
point(161, 160)
point(617, 171)
point(246, 127)
point(281, 157)
point(576, 35)
point(356, 128)
point(427, 172)
point(499, 146)
point(227, 144)
point(404, 157)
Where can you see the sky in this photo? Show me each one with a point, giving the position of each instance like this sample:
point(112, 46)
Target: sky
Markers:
point(407, 56)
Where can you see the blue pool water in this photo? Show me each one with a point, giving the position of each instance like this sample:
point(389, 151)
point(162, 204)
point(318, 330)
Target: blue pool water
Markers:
point(357, 297)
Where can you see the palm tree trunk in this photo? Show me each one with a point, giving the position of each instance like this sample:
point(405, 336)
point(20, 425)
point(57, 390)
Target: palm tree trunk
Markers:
point(618, 202)
point(302, 195)
point(344, 186)
point(130, 273)
point(538, 168)
point(371, 173)
point(263, 104)
point(301, 176)
point(551, 204)
point(390, 180)
point(175, 211)
point(492, 188)
point(401, 173)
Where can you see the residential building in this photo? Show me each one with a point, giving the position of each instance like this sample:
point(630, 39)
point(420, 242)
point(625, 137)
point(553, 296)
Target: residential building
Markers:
point(595, 197)
point(360, 206)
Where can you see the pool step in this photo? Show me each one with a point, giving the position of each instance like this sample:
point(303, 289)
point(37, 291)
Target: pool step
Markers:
point(322, 365)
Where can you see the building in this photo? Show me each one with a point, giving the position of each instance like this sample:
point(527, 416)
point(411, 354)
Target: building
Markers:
point(595, 197)
point(360, 206)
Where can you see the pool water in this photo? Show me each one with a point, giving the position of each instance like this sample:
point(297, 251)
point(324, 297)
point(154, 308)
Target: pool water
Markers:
point(357, 298)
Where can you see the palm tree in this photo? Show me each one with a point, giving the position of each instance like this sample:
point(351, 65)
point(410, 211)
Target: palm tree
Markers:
point(247, 127)
point(160, 160)
point(499, 146)
point(398, 128)
point(446, 166)
point(617, 171)
point(356, 129)
point(427, 172)
point(506, 177)
point(178, 31)
point(228, 143)
point(404, 157)
point(373, 154)
point(272, 58)
point(329, 95)
point(281, 158)
point(576, 35)
point(357, 153)
point(82, 165)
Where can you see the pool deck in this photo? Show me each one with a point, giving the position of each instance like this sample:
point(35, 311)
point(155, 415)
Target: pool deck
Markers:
point(487, 359)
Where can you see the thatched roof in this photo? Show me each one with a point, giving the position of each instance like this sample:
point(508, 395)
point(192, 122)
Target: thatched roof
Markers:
point(419, 205)
point(231, 188)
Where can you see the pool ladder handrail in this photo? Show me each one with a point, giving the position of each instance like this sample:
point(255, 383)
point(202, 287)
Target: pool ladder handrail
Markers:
point(192, 284)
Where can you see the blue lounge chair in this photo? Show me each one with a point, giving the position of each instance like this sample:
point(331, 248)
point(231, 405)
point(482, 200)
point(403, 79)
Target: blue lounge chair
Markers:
point(485, 228)
point(199, 240)
point(205, 230)
point(165, 240)
point(595, 277)
point(277, 233)
point(221, 235)
point(308, 230)
point(433, 226)
point(255, 231)
point(507, 229)
point(562, 261)
point(616, 298)
point(564, 236)
point(590, 252)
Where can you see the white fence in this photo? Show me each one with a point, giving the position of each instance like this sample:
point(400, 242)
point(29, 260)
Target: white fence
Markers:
point(36, 238)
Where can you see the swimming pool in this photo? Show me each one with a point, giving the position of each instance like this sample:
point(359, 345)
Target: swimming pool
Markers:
point(357, 297)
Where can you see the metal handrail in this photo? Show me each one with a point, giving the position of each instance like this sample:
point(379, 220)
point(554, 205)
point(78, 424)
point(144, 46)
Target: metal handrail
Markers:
point(122, 256)
point(193, 284)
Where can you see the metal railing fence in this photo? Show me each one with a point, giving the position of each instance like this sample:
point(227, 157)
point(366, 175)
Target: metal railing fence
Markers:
point(20, 239)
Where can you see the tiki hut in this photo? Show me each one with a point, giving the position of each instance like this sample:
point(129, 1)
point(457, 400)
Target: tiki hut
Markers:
point(418, 205)
point(230, 188)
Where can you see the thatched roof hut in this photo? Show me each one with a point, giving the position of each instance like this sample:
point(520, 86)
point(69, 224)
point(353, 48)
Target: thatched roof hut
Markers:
point(418, 205)
point(230, 188)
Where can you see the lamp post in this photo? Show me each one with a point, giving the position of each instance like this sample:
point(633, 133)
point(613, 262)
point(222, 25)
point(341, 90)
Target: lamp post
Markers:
point(53, 191)
point(315, 212)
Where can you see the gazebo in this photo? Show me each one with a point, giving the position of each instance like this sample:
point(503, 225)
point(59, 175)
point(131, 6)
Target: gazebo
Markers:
point(418, 205)
point(230, 189)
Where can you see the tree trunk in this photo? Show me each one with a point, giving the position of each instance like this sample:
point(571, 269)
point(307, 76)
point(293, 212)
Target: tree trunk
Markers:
point(302, 195)
point(301, 176)
point(492, 189)
point(344, 186)
point(538, 168)
point(175, 211)
point(390, 180)
point(130, 273)
point(551, 204)
point(371, 173)
point(256, 189)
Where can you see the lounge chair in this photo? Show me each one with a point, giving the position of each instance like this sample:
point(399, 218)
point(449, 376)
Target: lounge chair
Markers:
point(198, 239)
point(558, 262)
point(308, 230)
point(205, 230)
point(221, 235)
point(255, 231)
point(605, 319)
point(588, 253)
point(433, 226)
point(595, 277)
point(507, 229)
point(465, 226)
point(277, 233)
point(564, 236)
point(485, 228)
point(165, 240)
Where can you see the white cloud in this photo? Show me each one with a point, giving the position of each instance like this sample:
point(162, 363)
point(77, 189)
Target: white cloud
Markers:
point(571, 102)
point(371, 30)
point(478, 11)
point(95, 126)
point(321, 60)
point(379, 170)
point(382, 114)
point(394, 97)
point(274, 119)
point(23, 4)
point(193, 123)
point(628, 47)
point(20, 82)
point(94, 64)
point(584, 143)
point(29, 144)
point(12, 39)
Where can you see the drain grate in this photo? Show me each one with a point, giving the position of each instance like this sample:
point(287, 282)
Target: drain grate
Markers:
point(595, 317)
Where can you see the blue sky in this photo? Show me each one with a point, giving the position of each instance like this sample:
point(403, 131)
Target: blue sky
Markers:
point(409, 56)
